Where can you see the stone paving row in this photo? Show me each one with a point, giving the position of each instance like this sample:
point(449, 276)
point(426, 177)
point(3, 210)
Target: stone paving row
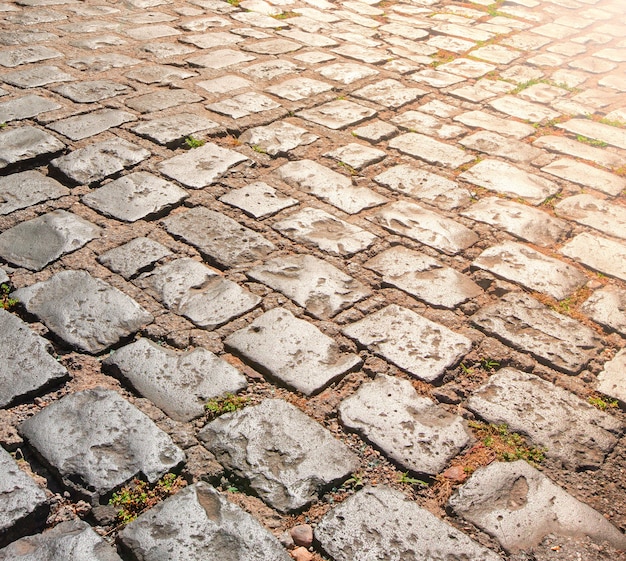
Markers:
point(366, 229)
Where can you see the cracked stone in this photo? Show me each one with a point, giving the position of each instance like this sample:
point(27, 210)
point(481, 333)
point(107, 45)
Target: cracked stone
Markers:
point(612, 381)
point(220, 59)
point(244, 105)
point(482, 120)
point(418, 122)
point(495, 145)
point(347, 72)
point(102, 63)
point(299, 88)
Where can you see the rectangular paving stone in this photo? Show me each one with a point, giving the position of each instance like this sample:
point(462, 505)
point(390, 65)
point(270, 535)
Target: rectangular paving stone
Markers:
point(258, 200)
point(97, 161)
point(91, 91)
point(431, 151)
point(162, 99)
point(291, 351)
point(496, 145)
point(464, 31)
point(277, 138)
point(178, 383)
point(199, 510)
point(510, 180)
point(422, 276)
point(319, 287)
point(224, 84)
point(347, 72)
point(483, 120)
point(410, 429)
point(337, 114)
point(95, 441)
point(531, 269)
point(91, 124)
point(270, 70)
point(328, 185)
point(553, 339)
point(24, 55)
point(425, 226)
point(85, 312)
point(243, 105)
point(329, 233)
point(174, 128)
point(103, 62)
point(133, 257)
point(596, 213)
point(25, 107)
point(26, 143)
point(568, 428)
point(416, 121)
point(435, 78)
point(218, 237)
point(357, 156)
point(222, 58)
point(586, 175)
point(27, 188)
point(286, 456)
point(36, 76)
point(466, 67)
point(598, 131)
point(421, 347)
point(522, 221)
point(35, 243)
point(598, 253)
point(522, 109)
point(201, 166)
point(607, 307)
point(382, 522)
point(389, 93)
point(612, 381)
point(212, 40)
point(299, 88)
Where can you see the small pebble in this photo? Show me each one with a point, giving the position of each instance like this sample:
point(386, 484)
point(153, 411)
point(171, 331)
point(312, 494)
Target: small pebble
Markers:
point(302, 535)
point(301, 554)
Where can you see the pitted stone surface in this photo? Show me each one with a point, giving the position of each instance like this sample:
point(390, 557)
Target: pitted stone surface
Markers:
point(607, 307)
point(519, 506)
point(347, 72)
point(97, 161)
point(578, 149)
point(435, 78)
point(487, 121)
point(375, 131)
point(421, 347)
point(25, 143)
point(220, 59)
point(21, 500)
point(599, 131)
point(424, 185)
point(37, 242)
point(131, 258)
point(91, 91)
point(244, 105)
point(337, 114)
point(159, 100)
point(173, 128)
point(96, 441)
point(21, 190)
point(278, 138)
point(135, 196)
point(200, 294)
point(381, 523)
point(73, 540)
point(218, 237)
point(524, 323)
point(598, 253)
point(292, 351)
point(431, 151)
point(425, 226)
point(568, 428)
point(85, 312)
point(522, 221)
point(287, 457)
point(319, 287)
point(389, 93)
point(178, 383)
point(510, 180)
point(423, 277)
point(522, 109)
point(586, 175)
point(495, 145)
point(90, 124)
point(533, 270)
point(24, 55)
point(227, 531)
point(36, 76)
point(595, 213)
point(299, 88)
point(102, 63)
point(25, 107)
point(422, 123)
point(258, 200)
point(201, 166)
point(328, 185)
point(410, 429)
point(612, 379)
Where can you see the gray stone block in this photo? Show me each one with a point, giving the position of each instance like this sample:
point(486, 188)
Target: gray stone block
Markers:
point(347, 72)
point(25, 55)
point(607, 307)
point(519, 506)
point(258, 200)
point(337, 114)
point(612, 379)
point(178, 383)
point(162, 99)
point(487, 121)
point(25, 107)
point(91, 91)
point(132, 258)
point(381, 523)
point(96, 441)
point(35, 243)
point(27, 188)
point(417, 121)
point(91, 124)
point(36, 76)
point(201, 524)
point(85, 312)
point(277, 138)
point(286, 456)
point(244, 105)
point(174, 128)
point(26, 143)
point(292, 351)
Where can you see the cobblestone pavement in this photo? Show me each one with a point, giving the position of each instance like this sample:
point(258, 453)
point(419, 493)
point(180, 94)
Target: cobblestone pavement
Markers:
point(395, 230)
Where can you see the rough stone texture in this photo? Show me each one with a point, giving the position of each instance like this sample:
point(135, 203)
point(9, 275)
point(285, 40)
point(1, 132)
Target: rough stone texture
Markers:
point(218, 237)
point(496, 145)
point(578, 149)
point(599, 131)
point(586, 175)
point(381, 523)
point(524, 222)
point(552, 338)
point(159, 100)
point(595, 213)
point(326, 231)
point(174, 128)
point(607, 307)
point(292, 351)
point(522, 109)
point(299, 88)
point(487, 121)
point(277, 138)
point(25, 143)
point(244, 105)
point(431, 151)
point(598, 253)
point(36, 76)
point(286, 457)
point(96, 441)
point(85, 312)
point(531, 269)
point(201, 166)
point(258, 200)
point(27, 365)
point(347, 72)
point(227, 531)
point(132, 258)
point(200, 294)
point(23, 503)
point(423, 277)
point(421, 347)
point(612, 379)
point(21, 190)
point(519, 506)
point(389, 93)
point(337, 114)
point(568, 428)
point(135, 196)
point(416, 121)
point(73, 540)
point(37, 242)
point(25, 107)
point(414, 432)
point(319, 287)
point(510, 180)
point(357, 156)
point(178, 383)
point(91, 91)
point(91, 124)
point(425, 226)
